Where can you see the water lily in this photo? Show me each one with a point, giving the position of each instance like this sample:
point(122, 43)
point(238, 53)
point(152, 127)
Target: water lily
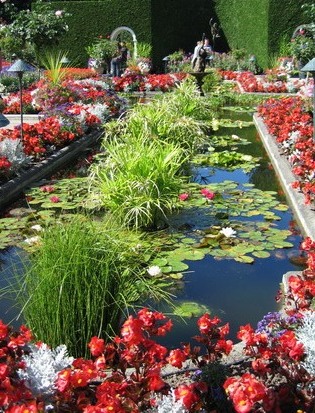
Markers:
point(183, 196)
point(154, 271)
point(207, 194)
point(32, 240)
point(37, 228)
point(228, 232)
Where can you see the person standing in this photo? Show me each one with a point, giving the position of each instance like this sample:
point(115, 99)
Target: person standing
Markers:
point(124, 54)
point(115, 63)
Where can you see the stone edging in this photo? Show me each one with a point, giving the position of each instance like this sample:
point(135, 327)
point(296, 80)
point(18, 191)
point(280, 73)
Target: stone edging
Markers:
point(12, 190)
point(304, 214)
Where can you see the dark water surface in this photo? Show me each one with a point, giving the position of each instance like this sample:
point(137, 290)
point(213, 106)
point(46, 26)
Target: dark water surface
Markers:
point(237, 293)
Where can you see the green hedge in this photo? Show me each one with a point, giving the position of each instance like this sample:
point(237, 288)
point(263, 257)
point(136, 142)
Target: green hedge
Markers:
point(259, 25)
point(90, 19)
point(255, 25)
point(179, 24)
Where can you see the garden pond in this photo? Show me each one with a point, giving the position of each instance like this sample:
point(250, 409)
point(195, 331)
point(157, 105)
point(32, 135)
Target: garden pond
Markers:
point(240, 289)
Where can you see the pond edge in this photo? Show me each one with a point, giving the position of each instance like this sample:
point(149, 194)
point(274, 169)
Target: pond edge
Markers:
point(13, 189)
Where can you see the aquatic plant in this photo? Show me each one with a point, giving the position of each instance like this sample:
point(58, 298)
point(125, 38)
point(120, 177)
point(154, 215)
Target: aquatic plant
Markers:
point(91, 275)
point(139, 181)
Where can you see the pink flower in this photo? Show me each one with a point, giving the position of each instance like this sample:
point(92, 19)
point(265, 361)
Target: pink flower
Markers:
point(47, 188)
point(55, 199)
point(183, 197)
point(207, 194)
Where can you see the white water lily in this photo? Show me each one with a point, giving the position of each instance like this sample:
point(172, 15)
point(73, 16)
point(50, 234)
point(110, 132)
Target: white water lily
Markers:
point(228, 232)
point(32, 240)
point(37, 228)
point(154, 271)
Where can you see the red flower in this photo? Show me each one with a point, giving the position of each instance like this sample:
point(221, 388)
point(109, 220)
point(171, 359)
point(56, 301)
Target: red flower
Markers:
point(205, 323)
point(176, 358)
point(207, 194)
point(131, 331)
point(187, 394)
point(55, 199)
point(63, 380)
point(96, 346)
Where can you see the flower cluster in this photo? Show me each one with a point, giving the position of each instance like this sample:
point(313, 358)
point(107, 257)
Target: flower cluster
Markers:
point(291, 124)
point(123, 375)
point(272, 82)
point(5, 165)
point(134, 80)
point(67, 112)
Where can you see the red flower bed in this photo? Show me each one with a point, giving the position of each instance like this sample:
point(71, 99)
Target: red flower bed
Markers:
point(292, 125)
point(269, 83)
point(135, 81)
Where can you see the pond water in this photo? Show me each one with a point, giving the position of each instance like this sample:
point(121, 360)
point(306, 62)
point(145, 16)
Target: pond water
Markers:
point(237, 293)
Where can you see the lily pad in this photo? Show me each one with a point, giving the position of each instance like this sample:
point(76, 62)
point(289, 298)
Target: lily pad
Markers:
point(190, 309)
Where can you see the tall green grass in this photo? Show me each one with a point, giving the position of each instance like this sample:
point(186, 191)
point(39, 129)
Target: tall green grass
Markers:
point(139, 180)
point(83, 279)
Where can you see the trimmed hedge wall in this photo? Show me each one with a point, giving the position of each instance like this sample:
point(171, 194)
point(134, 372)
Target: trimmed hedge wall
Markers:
point(259, 25)
point(90, 19)
point(255, 25)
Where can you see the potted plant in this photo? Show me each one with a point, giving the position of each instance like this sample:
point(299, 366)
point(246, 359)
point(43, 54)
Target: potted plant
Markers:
point(100, 53)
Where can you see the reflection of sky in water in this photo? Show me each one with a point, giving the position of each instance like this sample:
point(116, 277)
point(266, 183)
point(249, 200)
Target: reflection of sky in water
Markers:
point(205, 176)
point(10, 266)
point(237, 293)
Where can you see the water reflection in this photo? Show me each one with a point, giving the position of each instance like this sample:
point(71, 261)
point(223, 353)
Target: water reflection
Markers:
point(12, 264)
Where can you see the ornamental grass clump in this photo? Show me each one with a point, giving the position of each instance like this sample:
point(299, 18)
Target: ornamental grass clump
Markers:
point(139, 180)
point(81, 281)
point(180, 117)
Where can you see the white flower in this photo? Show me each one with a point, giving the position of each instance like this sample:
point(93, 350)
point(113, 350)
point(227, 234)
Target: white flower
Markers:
point(168, 404)
point(306, 335)
point(32, 240)
point(37, 228)
point(228, 232)
point(58, 13)
point(42, 366)
point(154, 271)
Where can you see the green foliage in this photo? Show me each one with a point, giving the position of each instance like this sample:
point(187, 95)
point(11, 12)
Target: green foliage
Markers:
point(11, 83)
point(105, 16)
point(211, 81)
point(102, 49)
point(33, 30)
point(190, 309)
point(139, 180)
point(144, 49)
point(82, 279)
point(53, 63)
point(303, 47)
